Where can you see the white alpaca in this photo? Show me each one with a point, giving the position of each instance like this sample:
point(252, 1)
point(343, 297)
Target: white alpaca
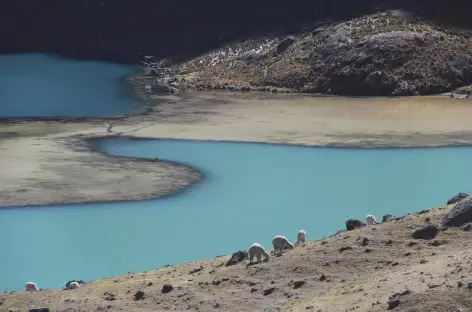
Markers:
point(256, 250)
point(74, 285)
point(30, 286)
point(301, 236)
point(371, 220)
point(280, 242)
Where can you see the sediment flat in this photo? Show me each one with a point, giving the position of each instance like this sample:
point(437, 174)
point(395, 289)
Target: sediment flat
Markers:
point(50, 162)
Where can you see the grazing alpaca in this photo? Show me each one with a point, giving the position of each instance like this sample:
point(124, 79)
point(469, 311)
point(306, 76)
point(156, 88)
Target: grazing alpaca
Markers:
point(280, 242)
point(256, 250)
point(30, 286)
point(74, 285)
point(371, 220)
point(301, 236)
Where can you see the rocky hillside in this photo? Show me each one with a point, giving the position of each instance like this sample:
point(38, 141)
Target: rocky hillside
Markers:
point(420, 262)
point(388, 53)
point(422, 48)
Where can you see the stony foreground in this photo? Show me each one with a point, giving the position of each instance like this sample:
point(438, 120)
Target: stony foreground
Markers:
point(357, 270)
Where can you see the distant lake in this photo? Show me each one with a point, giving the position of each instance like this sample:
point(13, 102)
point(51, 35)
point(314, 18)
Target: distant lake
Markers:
point(38, 85)
point(251, 193)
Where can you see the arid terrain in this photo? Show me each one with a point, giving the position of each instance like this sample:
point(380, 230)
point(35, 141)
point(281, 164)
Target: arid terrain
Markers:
point(351, 271)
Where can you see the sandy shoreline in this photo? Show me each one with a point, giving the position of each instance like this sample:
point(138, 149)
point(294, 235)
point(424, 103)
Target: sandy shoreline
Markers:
point(50, 162)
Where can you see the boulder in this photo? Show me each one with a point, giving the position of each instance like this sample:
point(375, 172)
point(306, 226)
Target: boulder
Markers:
point(387, 218)
point(457, 198)
point(139, 295)
point(167, 288)
point(353, 224)
point(298, 284)
point(268, 291)
point(237, 257)
point(428, 231)
point(285, 43)
point(460, 214)
point(393, 302)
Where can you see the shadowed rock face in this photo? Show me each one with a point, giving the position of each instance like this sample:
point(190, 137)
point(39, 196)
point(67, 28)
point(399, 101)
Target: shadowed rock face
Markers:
point(460, 215)
point(457, 198)
point(126, 29)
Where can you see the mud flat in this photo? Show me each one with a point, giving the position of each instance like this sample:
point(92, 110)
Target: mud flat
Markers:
point(52, 162)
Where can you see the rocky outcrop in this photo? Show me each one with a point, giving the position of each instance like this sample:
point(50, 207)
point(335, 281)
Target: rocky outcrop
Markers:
point(374, 55)
point(426, 232)
point(460, 214)
point(457, 198)
point(237, 257)
point(353, 224)
point(387, 218)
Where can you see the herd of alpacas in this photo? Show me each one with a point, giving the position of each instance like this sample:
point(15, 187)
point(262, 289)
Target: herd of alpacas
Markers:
point(279, 242)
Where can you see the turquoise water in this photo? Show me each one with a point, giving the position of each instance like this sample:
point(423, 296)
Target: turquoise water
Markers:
point(37, 85)
point(251, 192)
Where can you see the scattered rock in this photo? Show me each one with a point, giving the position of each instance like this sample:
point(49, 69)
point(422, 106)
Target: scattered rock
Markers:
point(298, 284)
point(322, 277)
point(345, 248)
point(368, 250)
point(469, 285)
point(393, 302)
point(150, 284)
point(285, 43)
point(387, 218)
point(411, 244)
point(268, 291)
point(428, 231)
point(467, 227)
point(389, 242)
point(139, 295)
point(196, 270)
point(460, 214)
point(428, 219)
point(423, 211)
point(431, 286)
point(110, 296)
point(253, 290)
point(422, 261)
point(435, 243)
point(407, 254)
point(1, 301)
point(353, 224)
point(39, 310)
point(365, 241)
point(460, 284)
point(457, 198)
point(237, 257)
point(167, 288)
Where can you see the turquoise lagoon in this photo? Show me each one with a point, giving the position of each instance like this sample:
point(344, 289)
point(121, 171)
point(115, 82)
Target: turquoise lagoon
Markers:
point(250, 192)
point(45, 86)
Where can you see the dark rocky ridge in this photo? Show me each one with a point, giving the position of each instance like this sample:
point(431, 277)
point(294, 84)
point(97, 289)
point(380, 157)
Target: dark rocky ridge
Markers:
point(124, 30)
point(361, 48)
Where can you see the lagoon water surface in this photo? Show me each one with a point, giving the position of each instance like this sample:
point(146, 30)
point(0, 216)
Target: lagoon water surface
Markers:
point(250, 193)
point(40, 86)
